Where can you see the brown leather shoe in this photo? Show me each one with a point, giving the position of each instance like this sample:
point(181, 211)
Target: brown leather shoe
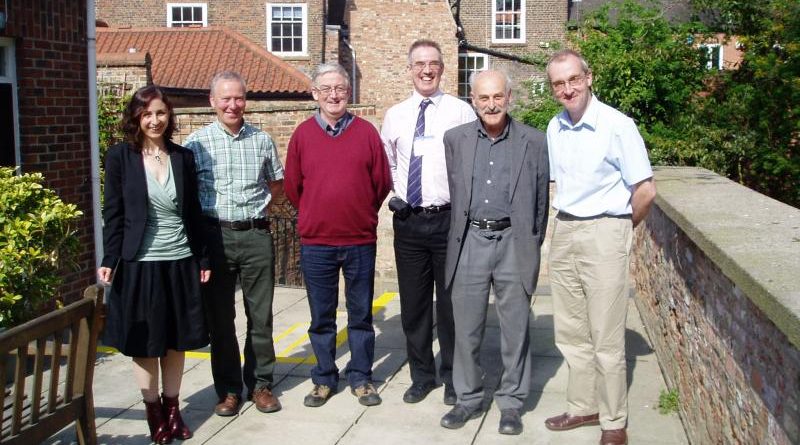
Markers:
point(265, 401)
point(614, 437)
point(567, 422)
point(229, 406)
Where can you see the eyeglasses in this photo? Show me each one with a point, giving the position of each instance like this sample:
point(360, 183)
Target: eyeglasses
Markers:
point(327, 90)
point(573, 81)
point(433, 65)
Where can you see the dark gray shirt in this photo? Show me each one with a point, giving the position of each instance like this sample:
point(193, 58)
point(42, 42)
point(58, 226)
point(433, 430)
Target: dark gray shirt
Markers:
point(491, 177)
point(341, 124)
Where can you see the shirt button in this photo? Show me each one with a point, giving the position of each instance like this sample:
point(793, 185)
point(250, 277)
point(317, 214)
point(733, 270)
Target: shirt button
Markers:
point(486, 201)
point(491, 162)
point(488, 181)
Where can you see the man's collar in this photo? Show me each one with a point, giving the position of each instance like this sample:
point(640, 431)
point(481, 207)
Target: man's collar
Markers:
point(503, 134)
point(436, 97)
point(222, 127)
point(589, 118)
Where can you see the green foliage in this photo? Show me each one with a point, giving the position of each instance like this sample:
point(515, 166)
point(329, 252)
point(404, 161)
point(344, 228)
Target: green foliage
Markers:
point(109, 115)
point(538, 109)
point(641, 64)
point(668, 402)
point(37, 239)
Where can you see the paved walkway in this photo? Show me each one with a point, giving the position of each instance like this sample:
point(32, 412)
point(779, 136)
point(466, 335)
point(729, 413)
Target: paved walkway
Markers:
point(342, 421)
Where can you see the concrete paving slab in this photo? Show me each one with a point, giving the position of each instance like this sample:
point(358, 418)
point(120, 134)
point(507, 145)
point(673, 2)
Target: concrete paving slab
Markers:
point(343, 421)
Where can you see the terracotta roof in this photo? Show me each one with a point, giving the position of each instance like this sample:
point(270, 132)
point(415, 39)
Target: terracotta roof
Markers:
point(187, 58)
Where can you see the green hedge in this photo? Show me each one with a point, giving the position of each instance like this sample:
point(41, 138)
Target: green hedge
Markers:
point(37, 240)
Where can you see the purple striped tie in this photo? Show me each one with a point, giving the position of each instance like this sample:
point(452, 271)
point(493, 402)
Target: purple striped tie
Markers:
point(414, 189)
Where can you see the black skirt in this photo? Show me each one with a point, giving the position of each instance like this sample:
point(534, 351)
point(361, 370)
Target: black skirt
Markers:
point(154, 306)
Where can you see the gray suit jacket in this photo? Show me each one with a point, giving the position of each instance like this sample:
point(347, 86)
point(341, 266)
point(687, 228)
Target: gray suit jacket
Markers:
point(530, 180)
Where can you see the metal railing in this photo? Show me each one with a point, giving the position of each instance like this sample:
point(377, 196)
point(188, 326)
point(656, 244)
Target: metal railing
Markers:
point(286, 242)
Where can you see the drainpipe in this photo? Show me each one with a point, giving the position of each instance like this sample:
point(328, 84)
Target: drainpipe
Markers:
point(91, 40)
point(353, 78)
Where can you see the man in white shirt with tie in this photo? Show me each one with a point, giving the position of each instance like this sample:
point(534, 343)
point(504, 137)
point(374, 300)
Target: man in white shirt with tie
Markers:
point(412, 135)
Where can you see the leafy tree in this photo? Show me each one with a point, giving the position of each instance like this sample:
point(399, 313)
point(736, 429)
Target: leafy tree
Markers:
point(757, 106)
point(642, 65)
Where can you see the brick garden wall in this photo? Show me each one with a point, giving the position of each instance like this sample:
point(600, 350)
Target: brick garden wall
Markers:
point(736, 372)
point(52, 76)
point(247, 17)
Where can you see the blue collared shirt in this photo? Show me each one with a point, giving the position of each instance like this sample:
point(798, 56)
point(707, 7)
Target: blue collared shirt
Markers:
point(596, 161)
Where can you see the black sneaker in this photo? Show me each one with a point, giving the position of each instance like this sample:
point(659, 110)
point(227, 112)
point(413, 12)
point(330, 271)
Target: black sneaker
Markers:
point(367, 395)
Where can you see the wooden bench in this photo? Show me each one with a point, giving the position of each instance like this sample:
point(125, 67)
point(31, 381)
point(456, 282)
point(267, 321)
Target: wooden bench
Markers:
point(38, 405)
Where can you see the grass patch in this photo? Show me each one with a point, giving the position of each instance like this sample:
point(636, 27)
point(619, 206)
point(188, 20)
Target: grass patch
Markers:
point(668, 401)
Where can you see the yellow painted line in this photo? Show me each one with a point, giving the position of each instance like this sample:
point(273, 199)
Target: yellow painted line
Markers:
point(284, 356)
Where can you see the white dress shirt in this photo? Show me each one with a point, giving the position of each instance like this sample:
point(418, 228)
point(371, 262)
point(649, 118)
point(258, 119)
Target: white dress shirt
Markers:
point(596, 161)
point(397, 133)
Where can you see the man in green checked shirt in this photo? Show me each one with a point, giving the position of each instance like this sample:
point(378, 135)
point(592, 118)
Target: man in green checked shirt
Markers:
point(238, 172)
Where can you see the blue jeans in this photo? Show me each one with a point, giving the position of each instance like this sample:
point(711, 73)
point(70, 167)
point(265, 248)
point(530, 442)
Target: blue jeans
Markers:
point(321, 265)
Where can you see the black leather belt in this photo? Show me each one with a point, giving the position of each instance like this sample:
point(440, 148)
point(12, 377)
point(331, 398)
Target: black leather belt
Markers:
point(245, 224)
point(564, 216)
point(431, 209)
point(488, 224)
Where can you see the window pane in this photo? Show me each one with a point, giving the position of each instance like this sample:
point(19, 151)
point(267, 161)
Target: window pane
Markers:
point(7, 143)
point(176, 14)
point(197, 14)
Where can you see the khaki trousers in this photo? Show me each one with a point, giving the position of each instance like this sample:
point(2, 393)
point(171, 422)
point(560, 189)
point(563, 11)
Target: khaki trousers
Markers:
point(589, 281)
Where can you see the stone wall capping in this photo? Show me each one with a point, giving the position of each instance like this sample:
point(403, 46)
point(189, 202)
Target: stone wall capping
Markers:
point(753, 239)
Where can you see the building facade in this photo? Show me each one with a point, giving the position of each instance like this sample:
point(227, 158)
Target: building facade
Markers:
point(44, 104)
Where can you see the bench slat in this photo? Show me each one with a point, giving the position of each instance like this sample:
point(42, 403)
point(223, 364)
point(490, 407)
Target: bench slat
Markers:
point(33, 417)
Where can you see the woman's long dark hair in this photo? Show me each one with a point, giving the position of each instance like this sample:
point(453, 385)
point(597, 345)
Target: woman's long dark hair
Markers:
point(132, 116)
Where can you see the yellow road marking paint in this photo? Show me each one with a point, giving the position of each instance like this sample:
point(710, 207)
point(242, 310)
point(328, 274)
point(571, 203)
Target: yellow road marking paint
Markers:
point(284, 356)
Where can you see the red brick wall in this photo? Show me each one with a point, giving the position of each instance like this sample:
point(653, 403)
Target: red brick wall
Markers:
point(52, 76)
point(381, 32)
point(736, 373)
point(247, 17)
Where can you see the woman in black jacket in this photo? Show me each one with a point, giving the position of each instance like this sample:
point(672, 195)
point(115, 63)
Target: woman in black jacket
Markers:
point(154, 250)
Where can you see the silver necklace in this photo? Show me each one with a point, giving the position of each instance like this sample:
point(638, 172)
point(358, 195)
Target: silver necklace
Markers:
point(157, 156)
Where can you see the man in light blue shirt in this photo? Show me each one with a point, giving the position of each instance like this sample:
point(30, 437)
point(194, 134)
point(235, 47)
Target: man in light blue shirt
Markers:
point(604, 188)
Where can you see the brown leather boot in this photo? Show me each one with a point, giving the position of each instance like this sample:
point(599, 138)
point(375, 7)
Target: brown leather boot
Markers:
point(177, 428)
point(159, 430)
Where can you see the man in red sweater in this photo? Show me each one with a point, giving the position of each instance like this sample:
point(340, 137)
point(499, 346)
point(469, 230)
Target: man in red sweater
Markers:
point(337, 176)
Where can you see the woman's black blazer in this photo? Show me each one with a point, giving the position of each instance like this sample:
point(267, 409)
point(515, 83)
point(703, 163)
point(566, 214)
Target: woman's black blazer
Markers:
point(125, 202)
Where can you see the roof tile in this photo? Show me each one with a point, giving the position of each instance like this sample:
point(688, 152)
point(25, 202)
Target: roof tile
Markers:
point(188, 58)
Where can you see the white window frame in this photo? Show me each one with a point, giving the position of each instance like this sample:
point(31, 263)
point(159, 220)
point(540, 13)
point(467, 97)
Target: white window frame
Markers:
point(304, 49)
point(710, 48)
point(467, 56)
point(171, 6)
point(9, 76)
point(495, 13)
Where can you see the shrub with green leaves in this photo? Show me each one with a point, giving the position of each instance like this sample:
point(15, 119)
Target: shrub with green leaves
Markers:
point(37, 240)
